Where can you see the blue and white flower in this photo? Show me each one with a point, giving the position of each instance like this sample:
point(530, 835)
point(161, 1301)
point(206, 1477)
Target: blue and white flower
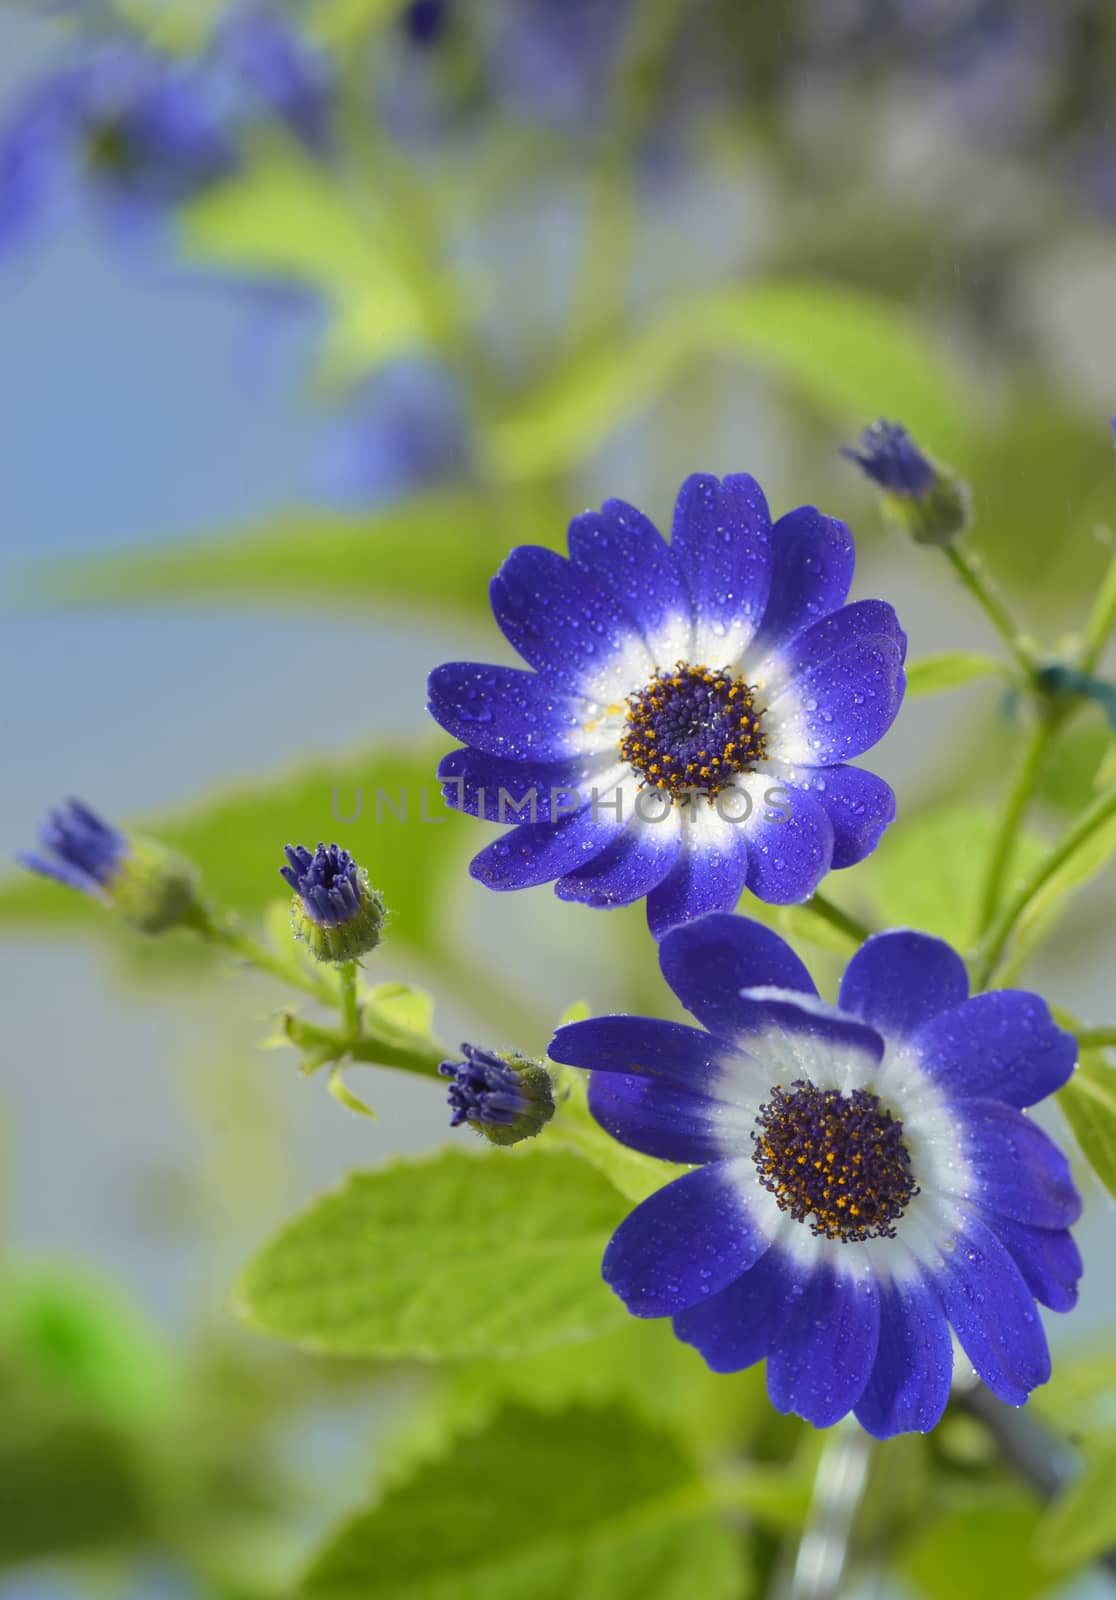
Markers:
point(866, 1177)
point(692, 709)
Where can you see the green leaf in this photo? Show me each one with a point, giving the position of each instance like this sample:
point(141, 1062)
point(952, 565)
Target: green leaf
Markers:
point(640, 1364)
point(285, 217)
point(851, 355)
point(75, 1335)
point(67, 1486)
point(926, 874)
point(937, 674)
point(451, 1256)
point(983, 1548)
point(432, 554)
point(1088, 1101)
point(590, 1503)
point(1080, 1398)
point(400, 1011)
point(344, 21)
point(1081, 1524)
point(237, 839)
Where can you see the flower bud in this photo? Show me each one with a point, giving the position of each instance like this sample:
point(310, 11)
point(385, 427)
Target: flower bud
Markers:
point(504, 1097)
point(924, 497)
point(151, 887)
point(333, 911)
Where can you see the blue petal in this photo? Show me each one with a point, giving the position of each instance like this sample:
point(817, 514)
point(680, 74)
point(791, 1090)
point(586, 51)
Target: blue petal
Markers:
point(60, 872)
point(1002, 1045)
point(539, 852)
point(686, 1241)
point(721, 543)
point(709, 875)
point(909, 1384)
point(645, 1047)
point(636, 862)
point(506, 791)
point(624, 555)
point(790, 846)
point(812, 567)
point(993, 1314)
point(505, 711)
point(859, 805)
point(1020, 1171)
point(560, 622)
point(733, 1329)
point(660, 1120)
point(1047, 1257)
point(709, 961)
point(824, 1347)
point(825, 642)
point(838, 687)
point(898, 981)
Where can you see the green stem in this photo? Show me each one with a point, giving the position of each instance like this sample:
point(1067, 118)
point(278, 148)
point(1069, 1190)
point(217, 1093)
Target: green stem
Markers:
point(223, 933)
point(970, 569)
point(411, 1053)
point(1102, 620)
point(350, 1005)
point(1096, 1038)
point(612, 215)
point(1075, 839)
point(853, 929)
point(839, 1485)
point(1015, 810)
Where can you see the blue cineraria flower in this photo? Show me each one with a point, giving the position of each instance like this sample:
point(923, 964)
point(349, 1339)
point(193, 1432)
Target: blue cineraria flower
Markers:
point(506, 1098)
point(150, 886)
point(552, 60)
point(406, 430)
point(688, 724)
point(293, 79)
point(138, 132)
point(425, 20)
point(928, 499)
point(866, 1176)
point(333, 911)
point(82, 851)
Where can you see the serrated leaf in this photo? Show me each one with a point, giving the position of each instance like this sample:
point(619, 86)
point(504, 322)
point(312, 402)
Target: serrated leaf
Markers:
point(641, 1365)
point(590, 1503)
point(1088, 1102)
point(399, 1009)
point(852, 355)
point(450, 1257)
point(434, 553)
point(937, 674)
point(1081, 1523)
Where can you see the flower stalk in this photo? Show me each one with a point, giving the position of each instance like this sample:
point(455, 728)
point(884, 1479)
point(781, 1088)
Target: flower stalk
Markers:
point(999, 936)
